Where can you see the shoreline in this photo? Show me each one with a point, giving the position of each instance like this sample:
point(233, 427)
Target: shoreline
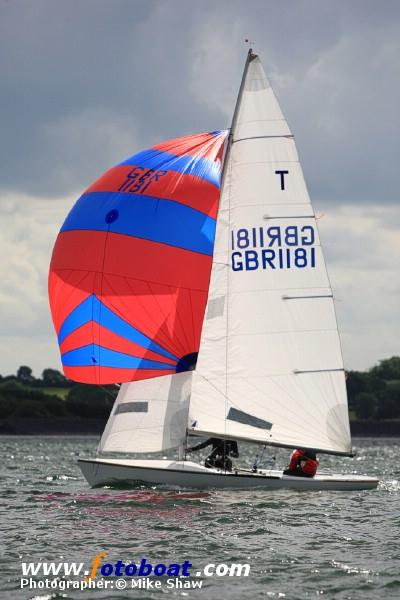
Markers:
point(75, 426)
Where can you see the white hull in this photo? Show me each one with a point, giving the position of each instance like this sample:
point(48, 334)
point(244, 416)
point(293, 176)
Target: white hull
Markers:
point(192, 475)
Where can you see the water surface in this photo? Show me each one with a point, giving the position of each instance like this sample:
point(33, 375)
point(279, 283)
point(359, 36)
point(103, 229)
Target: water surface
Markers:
point(341, 545)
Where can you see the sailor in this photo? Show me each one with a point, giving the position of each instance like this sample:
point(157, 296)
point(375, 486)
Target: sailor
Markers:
point(220, 453)
point(303, 463)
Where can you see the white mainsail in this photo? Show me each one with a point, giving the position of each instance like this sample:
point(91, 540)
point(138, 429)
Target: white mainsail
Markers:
point(270, 367)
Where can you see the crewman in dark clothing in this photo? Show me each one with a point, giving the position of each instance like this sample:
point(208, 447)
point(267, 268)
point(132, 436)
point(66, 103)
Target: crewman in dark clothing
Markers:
point(220, 453)
point(303, 463)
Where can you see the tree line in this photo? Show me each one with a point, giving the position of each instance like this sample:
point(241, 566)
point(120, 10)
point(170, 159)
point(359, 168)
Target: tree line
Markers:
point(373, 394)
point(52, 395)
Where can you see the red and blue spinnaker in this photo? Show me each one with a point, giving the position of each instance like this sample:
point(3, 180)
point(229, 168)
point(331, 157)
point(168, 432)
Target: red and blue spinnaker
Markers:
point(130, 270)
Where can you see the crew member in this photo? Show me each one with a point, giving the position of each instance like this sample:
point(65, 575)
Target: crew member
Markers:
point(220, 453)
point(303, 463)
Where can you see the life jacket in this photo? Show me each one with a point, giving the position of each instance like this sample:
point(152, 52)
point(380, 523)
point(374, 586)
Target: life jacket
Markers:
point(295, 459)
point(308, 465)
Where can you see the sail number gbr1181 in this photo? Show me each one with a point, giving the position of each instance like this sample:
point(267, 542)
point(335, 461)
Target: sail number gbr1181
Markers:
point(290, 247)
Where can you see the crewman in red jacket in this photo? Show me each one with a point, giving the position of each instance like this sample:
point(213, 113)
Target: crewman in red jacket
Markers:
point(303, 463)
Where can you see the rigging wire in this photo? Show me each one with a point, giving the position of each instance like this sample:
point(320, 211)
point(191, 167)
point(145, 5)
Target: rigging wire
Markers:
point(259, 457)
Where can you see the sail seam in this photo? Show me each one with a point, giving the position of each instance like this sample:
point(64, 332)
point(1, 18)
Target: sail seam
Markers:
point(135, 279)
point(292, 331)
point(277, 383)
point(152, 241)
point(173, 345)
point(265, 120)
point(233, 403)
point(288, 411)
point(272, 290)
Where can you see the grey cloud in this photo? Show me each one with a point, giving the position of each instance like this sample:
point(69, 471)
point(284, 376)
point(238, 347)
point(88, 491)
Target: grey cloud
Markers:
point(76, 82)
point(361, 241)
point(87, 83)
point(362, 252)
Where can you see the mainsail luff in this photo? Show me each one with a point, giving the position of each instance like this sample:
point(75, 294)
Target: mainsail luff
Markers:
point(249, 58)
point(226, 162)
point(296, 396)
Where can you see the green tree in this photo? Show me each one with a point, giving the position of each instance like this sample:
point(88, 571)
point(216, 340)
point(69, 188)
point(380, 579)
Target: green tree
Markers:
point(52, 377)
point(12, 390)
point(374, 384)
point(30, 407)
point(7, 405)
point(24, 374)
point(366, 405)
point(89, 401)
point(18, 400)
point(356, 383)
point(388, 369)
point(53, 405)
point(389, 401)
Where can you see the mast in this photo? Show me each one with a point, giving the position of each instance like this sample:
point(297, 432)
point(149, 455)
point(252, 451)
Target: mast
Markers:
point(249, 58)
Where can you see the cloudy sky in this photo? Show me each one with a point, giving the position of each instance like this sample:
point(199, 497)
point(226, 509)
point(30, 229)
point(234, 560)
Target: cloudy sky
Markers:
point(86, 83)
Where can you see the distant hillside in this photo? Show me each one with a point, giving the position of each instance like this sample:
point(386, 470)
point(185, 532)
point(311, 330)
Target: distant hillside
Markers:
point(51, 398)
point(375, 394)
point(54, 404)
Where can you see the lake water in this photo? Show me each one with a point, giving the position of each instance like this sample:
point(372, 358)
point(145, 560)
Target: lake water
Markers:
point(341, 545)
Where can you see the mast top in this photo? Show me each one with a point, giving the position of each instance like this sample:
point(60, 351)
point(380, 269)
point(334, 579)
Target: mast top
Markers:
point(250, 55)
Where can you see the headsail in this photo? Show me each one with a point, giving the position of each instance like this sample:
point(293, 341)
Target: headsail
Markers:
point(130, 269)
point(149, 415)
point(270, 367)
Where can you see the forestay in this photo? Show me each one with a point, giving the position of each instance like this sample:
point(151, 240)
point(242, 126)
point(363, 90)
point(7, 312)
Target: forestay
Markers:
point(270, 367)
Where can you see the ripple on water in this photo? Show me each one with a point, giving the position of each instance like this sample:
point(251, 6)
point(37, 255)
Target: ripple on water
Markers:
point(299, 545)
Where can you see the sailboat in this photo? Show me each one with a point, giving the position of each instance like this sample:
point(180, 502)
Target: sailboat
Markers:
point(192, 274)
